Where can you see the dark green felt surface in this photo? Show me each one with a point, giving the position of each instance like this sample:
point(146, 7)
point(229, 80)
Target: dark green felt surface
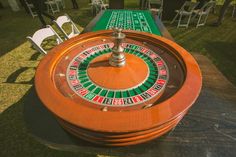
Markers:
point(144, 22)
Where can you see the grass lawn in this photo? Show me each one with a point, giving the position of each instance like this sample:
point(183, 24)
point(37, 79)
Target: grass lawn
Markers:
point(18, 62)
point(218, 43)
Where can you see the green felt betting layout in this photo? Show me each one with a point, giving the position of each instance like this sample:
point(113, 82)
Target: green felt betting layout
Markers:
point(128, 19)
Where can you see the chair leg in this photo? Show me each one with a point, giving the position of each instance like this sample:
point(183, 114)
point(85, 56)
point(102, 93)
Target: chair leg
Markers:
point(174, 18)
point(38, 48)
point(194, 17)
point(233, 12)
point(179, 23)
point(198, 21)
point(34, 13)
point(31, 12)
point(58, 8)
point(188, 20)
point(63, 4)
point(51, 8)
point(205, 20)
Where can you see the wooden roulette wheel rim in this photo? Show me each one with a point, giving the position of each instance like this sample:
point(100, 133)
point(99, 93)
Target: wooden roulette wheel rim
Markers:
point(118, 122)
point(136, 138)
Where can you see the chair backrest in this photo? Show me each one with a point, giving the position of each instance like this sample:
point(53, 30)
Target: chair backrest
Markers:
point(97, 2)
point(40, 35)
point(61, 20)
point(208, 6)
point(189, 6)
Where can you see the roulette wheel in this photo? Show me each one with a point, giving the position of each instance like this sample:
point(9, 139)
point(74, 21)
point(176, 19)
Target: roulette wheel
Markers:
point(118, 87)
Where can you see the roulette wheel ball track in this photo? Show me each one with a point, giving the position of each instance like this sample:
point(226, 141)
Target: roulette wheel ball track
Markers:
point(143, 95)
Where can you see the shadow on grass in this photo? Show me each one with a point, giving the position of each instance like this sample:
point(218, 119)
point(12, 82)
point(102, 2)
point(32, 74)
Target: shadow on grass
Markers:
point(16, 139)
point(35, 56)
point(13, 77)
point(224, 57)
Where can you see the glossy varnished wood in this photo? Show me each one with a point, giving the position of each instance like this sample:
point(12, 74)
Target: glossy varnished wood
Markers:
point(207, 130)
point(78, 113)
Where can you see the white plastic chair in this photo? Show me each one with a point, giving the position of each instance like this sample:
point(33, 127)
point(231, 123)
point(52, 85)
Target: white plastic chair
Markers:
point(31, 9)
point(52, 6)
point(98, 5)
point(154, 9)
point(61, 20)
point(185, 11)
point(203, 13)
point(40, 35)
point(103, 6)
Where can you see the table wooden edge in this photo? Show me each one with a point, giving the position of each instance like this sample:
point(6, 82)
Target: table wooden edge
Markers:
point(164, 32)
point(93, 22)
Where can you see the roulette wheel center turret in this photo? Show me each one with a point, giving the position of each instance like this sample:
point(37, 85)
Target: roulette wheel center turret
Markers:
point(117, 70)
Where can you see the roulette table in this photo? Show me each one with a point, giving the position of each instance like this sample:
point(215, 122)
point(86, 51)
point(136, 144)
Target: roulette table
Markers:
point(129, 20)
point(118, 87)
point(139, 20)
